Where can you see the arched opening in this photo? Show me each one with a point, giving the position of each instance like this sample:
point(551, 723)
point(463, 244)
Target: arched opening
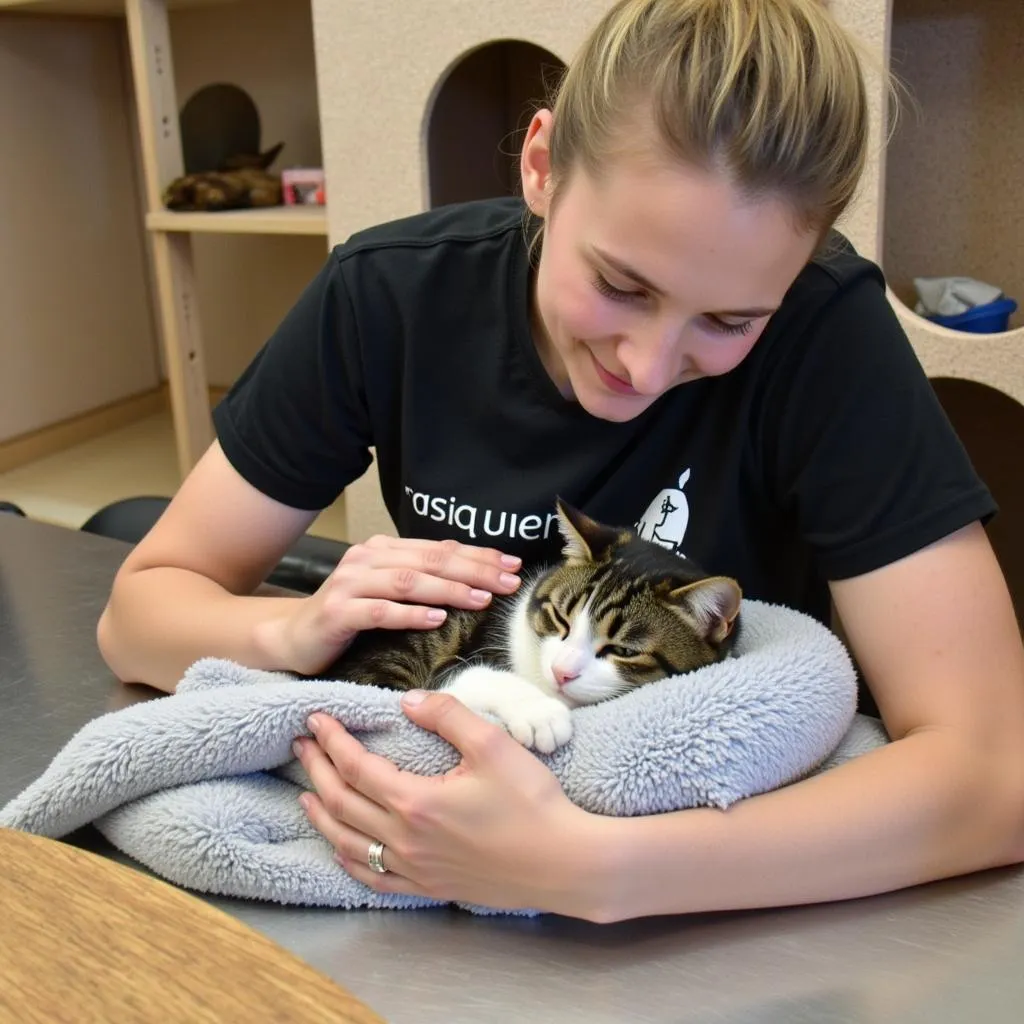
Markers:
point(478, 117)
point(991, 426)
point(952, 196)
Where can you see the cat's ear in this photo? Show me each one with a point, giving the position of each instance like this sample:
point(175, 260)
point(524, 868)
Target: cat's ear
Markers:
point(266, 159)
point(585, 539)
point(714, 603)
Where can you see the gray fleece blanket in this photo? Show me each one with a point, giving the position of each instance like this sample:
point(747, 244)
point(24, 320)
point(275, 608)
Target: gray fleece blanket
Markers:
point(202, 787)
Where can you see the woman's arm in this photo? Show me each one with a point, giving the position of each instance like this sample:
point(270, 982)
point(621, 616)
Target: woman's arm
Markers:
point(184, 592)
point(177, 596)
point(937, 640)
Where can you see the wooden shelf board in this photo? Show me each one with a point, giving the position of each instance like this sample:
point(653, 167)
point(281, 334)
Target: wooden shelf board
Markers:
point(276, 220)
point(104, 7)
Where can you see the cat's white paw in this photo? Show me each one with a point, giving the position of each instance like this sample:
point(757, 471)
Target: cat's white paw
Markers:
point(541, 723)
point(534, 718)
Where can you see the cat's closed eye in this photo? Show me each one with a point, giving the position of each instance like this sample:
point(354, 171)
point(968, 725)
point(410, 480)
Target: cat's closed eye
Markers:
point(618, 651)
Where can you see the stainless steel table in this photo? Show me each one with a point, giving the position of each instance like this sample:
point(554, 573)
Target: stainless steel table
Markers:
point(952, 951)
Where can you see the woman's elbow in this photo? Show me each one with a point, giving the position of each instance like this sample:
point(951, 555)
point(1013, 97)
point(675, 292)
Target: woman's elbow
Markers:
point(1011, 809)
point(109, 647)
point(998, 801)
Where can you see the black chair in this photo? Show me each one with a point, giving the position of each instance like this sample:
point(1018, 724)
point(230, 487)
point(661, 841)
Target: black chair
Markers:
point(306, 564)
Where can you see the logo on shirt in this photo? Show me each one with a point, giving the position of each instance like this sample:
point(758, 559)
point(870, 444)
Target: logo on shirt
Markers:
point(667, 517)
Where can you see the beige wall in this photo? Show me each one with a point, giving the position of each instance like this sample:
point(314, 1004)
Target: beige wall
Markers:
point(75, 325)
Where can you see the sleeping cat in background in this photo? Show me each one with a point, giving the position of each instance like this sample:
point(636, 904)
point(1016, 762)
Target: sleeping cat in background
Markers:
point(615, 613)
point(241, 182)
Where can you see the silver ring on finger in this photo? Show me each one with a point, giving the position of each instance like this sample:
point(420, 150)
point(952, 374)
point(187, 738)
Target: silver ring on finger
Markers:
point(375, 857)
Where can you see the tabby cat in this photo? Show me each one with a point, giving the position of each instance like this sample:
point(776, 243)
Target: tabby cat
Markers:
point(615, 613)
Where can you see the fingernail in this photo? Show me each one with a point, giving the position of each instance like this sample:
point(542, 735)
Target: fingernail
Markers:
point(436, 615)
point(312, 724)
point(479, 596)
point(297, 749)
point(304, 801)
point(414, 697)
point(511, 561)
point(508, 580)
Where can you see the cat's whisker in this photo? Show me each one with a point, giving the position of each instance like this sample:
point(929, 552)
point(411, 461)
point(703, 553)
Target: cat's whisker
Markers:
point(488, 650)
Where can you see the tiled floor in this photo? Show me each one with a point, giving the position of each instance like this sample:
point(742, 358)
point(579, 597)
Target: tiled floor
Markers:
point(68, 487)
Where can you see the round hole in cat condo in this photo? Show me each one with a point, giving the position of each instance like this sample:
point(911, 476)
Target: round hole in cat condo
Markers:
point(953, 206)
point(991, 425)
point(478, 116)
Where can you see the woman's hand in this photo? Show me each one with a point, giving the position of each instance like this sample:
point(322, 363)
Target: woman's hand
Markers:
point(387, 583)
point(496, 831)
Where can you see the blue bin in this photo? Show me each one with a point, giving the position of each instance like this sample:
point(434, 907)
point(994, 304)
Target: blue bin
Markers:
point(991, 318)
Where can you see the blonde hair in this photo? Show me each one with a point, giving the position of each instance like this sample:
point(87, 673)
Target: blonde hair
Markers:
point(770, 92)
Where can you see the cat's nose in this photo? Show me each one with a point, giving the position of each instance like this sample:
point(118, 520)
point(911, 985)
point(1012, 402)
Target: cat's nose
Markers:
point(564, 676)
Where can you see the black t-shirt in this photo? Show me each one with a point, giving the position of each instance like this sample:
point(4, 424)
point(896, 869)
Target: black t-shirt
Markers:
point(824, 455)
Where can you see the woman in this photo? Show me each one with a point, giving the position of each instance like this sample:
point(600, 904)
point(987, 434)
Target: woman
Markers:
point(676, 340)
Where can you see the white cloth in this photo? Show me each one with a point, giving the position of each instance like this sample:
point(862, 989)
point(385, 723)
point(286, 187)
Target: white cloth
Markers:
point(950, 296)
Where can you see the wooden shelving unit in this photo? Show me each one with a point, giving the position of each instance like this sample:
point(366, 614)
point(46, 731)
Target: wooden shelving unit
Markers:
point(170, 232)
point(278, 220)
